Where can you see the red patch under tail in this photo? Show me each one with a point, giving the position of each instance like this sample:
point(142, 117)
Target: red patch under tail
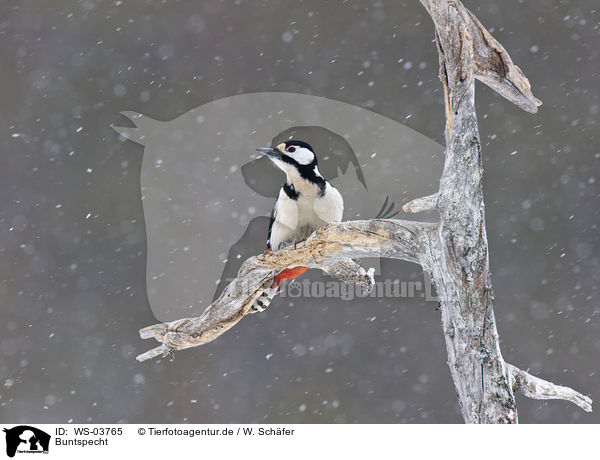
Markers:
point(288, 274)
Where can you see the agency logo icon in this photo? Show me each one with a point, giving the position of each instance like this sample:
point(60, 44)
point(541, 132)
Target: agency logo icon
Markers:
point(208, 195)
point(26, 439)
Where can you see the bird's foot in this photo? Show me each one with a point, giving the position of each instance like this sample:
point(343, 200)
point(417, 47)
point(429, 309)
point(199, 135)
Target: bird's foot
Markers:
point(287, 244)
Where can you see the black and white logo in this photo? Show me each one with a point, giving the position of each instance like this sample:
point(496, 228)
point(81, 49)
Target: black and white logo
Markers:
point(26, 439)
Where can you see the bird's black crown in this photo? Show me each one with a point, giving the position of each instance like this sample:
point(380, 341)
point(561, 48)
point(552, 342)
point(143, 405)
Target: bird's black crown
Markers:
point(298, 144)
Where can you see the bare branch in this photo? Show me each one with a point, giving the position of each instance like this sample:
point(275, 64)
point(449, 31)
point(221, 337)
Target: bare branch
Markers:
point(459, 257)
point(492, 64)
point(536, 388)
point(425, 203)
point(348, 271)
point(328, 249)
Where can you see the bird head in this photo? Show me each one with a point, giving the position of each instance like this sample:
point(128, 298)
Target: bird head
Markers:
point(294, 158)
point(294, 153)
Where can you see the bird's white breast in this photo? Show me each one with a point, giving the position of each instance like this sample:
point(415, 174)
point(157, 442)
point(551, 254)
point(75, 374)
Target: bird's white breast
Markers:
point(296, 219)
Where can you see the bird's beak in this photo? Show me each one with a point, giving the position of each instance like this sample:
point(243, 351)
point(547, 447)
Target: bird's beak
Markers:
point(270, 152)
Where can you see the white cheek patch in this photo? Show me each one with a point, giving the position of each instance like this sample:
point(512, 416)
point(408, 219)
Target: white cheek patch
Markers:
point(302, 156)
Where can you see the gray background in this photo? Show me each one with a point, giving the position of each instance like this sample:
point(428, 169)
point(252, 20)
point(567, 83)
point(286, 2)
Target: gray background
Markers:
point(72, 288)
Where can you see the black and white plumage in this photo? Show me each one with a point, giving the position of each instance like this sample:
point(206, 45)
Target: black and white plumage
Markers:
point(306, 202)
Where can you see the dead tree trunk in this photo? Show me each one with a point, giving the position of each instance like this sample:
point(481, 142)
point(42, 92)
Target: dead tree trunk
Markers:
point(458, 252)
point(454, 251)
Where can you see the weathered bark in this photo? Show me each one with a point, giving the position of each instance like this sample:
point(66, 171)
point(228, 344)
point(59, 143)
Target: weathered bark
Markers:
point(329, 249)
point(454, 251)
point(459, 252)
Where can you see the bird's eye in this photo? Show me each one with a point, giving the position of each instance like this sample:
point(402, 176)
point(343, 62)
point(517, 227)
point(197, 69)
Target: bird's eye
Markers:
point(291, 149)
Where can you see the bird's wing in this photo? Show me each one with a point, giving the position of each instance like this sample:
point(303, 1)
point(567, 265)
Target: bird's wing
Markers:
point(285, 221)
point(271, 220)
point(330, 208)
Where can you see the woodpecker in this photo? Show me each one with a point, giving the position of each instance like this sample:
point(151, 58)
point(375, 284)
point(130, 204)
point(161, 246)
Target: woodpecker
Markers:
point(306, 202)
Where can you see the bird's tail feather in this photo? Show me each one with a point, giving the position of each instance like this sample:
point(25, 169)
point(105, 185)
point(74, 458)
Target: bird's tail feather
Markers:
point(264, 300)
point(281, 279)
